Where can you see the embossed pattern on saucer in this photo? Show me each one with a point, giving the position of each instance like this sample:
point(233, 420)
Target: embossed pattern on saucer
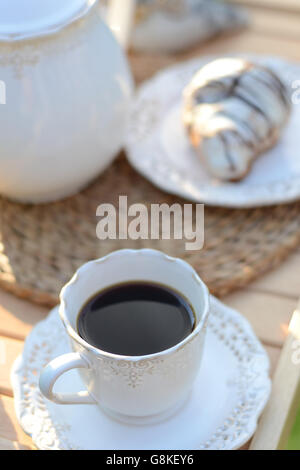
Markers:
point(231, 391)
point(157, 145)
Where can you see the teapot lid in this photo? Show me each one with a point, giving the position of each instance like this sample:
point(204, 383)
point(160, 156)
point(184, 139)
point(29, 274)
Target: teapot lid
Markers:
point(21, 19)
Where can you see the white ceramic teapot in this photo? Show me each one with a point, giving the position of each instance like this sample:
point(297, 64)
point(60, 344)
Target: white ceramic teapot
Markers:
point(68, 87)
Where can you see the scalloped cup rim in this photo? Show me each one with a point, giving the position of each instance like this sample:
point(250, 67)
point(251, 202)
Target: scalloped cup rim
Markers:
point(101, 353)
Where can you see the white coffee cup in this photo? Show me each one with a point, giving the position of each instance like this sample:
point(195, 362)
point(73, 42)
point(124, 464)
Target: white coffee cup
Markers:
point(136, 389)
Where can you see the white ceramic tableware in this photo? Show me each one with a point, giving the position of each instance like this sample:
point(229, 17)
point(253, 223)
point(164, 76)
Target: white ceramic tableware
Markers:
point(68, 89)
point(168, 26)
point(229, 394)
point(139, 389)
point(158, 147)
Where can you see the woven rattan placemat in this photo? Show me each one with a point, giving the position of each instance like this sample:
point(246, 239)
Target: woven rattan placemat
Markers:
point(42, 246)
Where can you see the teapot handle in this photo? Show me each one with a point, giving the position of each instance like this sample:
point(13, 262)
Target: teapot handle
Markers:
point(120, 19)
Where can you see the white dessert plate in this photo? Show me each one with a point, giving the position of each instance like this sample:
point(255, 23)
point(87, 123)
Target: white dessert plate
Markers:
point(157, 145)
point(230, 393)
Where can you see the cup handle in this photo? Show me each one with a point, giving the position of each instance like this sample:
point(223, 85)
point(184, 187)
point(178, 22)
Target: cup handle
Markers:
point(54, 370)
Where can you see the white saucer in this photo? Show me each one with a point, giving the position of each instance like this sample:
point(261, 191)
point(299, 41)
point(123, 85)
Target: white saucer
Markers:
point(231, 391)
point(157, 145)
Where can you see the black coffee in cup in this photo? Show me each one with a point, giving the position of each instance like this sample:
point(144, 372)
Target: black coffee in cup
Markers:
point(136, 319)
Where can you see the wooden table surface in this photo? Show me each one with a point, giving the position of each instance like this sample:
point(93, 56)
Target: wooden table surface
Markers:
point(267, 303)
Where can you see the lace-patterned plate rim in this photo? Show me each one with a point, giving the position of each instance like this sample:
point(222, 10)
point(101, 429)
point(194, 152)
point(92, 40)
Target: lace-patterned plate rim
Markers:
point(249, 362)
point(148, 155)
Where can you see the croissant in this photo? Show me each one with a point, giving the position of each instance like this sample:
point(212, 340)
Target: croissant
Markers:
point(234, 110)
